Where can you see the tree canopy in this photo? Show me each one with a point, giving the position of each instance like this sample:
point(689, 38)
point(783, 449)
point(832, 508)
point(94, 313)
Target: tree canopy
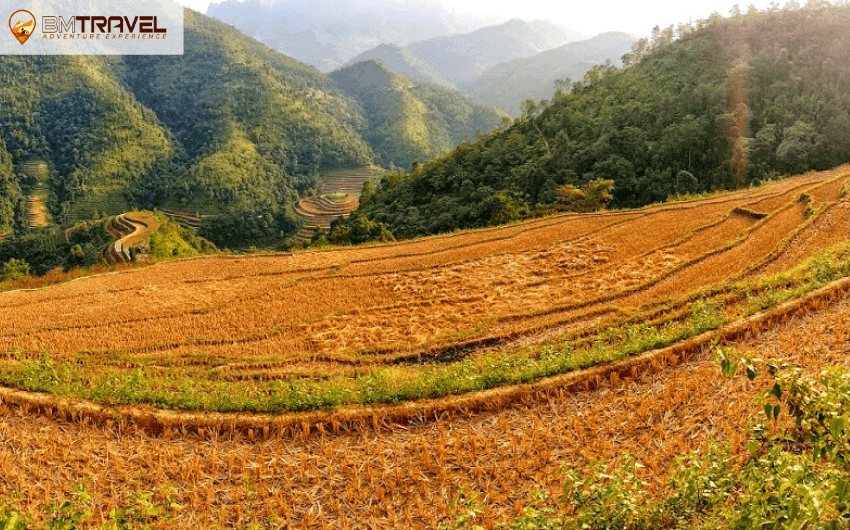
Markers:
point(721, 104)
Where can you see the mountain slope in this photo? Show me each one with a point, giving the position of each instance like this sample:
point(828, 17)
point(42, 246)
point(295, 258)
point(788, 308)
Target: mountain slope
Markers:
point(508, 84)
point(11, 198)
point(253, 123)
point(328, 33)
point(231, 127)
point(409, 122)
point(731, 104)
point(75, 113)
point(401, 60)
point(461, 59)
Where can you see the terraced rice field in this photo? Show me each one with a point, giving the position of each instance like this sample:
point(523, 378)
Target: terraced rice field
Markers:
point(320, 210)
point(36, 208)
point(186, 219)
point(362, 325)
point(130, 230)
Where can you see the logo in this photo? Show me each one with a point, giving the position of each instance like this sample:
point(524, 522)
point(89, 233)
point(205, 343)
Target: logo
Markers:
point(22, 24)
point(93, 27)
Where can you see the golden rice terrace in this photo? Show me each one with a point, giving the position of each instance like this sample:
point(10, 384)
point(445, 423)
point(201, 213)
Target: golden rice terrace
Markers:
point(364, 387)
point(423, 319)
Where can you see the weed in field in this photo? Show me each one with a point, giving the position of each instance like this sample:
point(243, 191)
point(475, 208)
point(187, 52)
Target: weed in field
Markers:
point(138, 512)
point(795, 475)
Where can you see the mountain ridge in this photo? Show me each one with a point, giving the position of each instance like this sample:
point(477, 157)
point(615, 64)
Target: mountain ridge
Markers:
point(327, 33)
point(409, 121)
point(508, 84)
point(461, 59)
point(231, 127)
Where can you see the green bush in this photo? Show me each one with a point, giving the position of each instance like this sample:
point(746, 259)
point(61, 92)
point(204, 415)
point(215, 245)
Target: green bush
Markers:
point(14, 269)
point(357, 229)
point(796, 478)
point(593, 196)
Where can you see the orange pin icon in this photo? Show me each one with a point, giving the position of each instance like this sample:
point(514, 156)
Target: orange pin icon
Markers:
point(22, 24)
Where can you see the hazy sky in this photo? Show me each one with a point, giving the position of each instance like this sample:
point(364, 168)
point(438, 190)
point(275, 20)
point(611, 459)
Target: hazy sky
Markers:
point(589, 16)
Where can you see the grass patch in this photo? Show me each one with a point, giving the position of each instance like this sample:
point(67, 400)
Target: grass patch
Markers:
point(793, 474)
point(337, 197)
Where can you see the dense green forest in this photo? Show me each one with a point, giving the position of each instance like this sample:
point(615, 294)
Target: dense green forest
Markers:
point(407, 121)
point(231, 127)
point(721, 104)
point(39, 251)
point(254, 127)
point(11, 199)
point(74, 113)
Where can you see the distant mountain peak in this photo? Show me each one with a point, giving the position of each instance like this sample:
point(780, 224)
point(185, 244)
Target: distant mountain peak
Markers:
point(370, 74)
point(344, 28)
point(402, 61)
point(462, 59)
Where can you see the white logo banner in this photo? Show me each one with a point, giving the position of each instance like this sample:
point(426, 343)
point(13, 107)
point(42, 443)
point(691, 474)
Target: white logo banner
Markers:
point(91, 27)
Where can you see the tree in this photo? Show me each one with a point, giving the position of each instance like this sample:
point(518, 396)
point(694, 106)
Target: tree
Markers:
point(356, 229)
point(799, 147)
point(367, 193)
point(14, 269)
point(686, 183)
point(529, 108)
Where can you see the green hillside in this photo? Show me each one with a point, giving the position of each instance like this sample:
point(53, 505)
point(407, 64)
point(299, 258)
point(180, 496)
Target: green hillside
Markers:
point(401, 60)
point(409, 121)
point(11, 198)
point(254, 125)
point(508, 84)
point(731, 102)
point(74, 112)
point(231, 127)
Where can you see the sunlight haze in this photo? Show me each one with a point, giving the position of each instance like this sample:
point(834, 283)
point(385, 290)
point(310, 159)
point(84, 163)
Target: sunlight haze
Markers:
point(587, 17)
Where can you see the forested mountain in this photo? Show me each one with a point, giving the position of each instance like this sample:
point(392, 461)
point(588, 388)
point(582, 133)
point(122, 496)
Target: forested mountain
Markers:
point(75, 113)
point(508, 84)
point(409, 121)
point(230, 127)
point(11, 199)
point(728, 103)
point(254, 125)
point(401, 60)
point(461, 59)
point(328, 33)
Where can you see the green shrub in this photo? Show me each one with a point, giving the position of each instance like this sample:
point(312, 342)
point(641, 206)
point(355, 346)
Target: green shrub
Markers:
point(796, 478)
point(593, 196)
point(138, 512)
point(14, 269)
